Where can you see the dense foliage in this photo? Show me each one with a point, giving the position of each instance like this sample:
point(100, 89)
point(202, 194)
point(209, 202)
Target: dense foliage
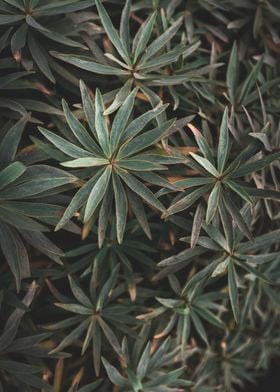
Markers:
point(139, 194)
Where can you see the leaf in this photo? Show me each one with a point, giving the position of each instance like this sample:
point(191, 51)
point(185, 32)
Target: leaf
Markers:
point(143, 141)
point(11, 139)
point(202, 143)
point(79, 294)
point(143, 363)
point(121, 207)
point(104, 216)
point(223, 146)
point(139, 211)
point(239, 190)
point(139, 165)
point(79, 131)
point(233, 73)
point(237, 217)
point(139, 188)
point(220, 269)
point(111, 32)
point(205, 164)
point(254, 166)
point(89, 65)
point(197, 222)
point(97, 193)
point(86, 162)
point(249, 82)
point(233, 291)
point(63, 145)
point(100, 125)
point(205, 273)
point(121, 119)
point(88, 107)
point(161, 41)
point(188, 200)
point(11, 173)
point(18, 40)
point(78, 200)
point(144, 36)
point(39, 57)
point(138, 124)
point(124, 25)
point(209, 316)
point(111, 337)
point(115, 377)
point(7, 19)
point(72, 337)
point(120, 97)
point(14, 252)
point(213, 202)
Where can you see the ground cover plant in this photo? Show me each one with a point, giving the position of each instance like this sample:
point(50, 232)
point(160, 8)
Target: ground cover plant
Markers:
point(139, 195)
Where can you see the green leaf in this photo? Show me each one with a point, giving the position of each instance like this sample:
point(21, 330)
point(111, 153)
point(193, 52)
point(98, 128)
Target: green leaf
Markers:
point(79, 309)
point(79, 294)
point(161, 41)
point(205, 273)
point(233, 73)
point(213, 202)
point(111, 32)
point(205, 164)
point(143, 363)
point(121, 207)
point(220, 269)
point(167, 378)
point(209, 316)
point(197, 223)
point(89, 65)
point(223, 146)
point(9, 19)
point(88, 107)
point(121, 119)
point(239, 190)
point(237, 217)
point(11, 139)
point(106, 288)
point(188, 200)
point(120, 97)
point(39, 56)
point(139, 188)
point(100, 124)
point(72, 337)
point(139, 165)
point(124, 25)
point(86, 162)
point(63, 145)
point(144, 36)
point(138, 124)
point(254, 166)
point(143, 141)
point(139, 211)
point(97, 193)
point(18, 39)
point(202, 143)
point(78, 200)
point(249, 82)
point(233, 290)
point(79, 131)
point(14, 252)
point(111, 337)
point(115, 377)
point(11, 173)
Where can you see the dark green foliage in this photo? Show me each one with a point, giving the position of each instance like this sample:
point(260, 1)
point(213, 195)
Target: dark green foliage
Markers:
point(139, 194)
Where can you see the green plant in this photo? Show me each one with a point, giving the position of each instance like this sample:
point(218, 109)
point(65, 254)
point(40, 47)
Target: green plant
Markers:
point(139, 195)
